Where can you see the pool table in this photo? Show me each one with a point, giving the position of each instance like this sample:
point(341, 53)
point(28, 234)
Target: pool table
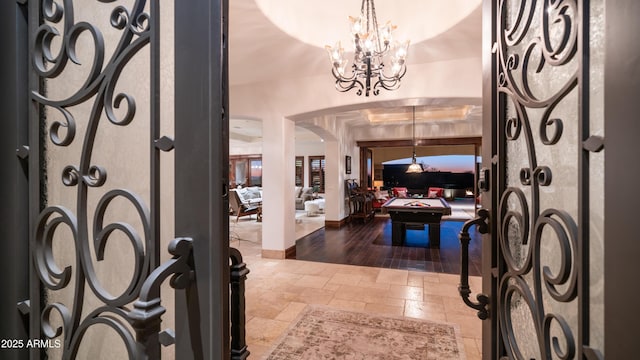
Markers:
point(416, 211)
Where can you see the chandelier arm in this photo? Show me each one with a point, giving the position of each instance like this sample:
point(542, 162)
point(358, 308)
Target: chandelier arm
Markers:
point(344, 86)
point(389, 84)
point(382, 52)
point(382, 76)
point(341, 77)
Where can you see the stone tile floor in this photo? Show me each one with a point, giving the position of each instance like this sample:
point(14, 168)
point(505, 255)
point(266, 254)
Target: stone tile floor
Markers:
point(277, 290)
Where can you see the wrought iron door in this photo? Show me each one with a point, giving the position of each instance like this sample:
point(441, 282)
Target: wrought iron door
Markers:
point(542, 170)
point(105, 200)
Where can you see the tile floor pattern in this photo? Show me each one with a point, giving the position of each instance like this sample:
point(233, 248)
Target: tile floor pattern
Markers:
point(277, 290)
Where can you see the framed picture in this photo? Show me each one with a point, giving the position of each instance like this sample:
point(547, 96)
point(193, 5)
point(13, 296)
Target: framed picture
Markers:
point(347, 164)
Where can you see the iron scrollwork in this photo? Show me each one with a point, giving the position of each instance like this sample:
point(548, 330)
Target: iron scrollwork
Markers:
point(55, 52)
point(535, 38)
point(147, 311)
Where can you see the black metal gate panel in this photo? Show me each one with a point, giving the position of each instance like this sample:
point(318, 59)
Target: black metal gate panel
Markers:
point(105, 200)
point(543, 146)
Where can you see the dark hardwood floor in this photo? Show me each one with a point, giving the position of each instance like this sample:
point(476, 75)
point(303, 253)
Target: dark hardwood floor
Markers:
point(369, 244)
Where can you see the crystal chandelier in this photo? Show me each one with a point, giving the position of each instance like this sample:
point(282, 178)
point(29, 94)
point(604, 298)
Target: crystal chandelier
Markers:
point(414, 167)
point(374, 47)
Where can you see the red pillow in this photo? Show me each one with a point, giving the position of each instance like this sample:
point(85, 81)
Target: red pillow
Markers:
point(400, 191)
point(435, 192)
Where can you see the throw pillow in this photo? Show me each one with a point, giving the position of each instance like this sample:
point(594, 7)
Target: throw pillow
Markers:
point(253, 193)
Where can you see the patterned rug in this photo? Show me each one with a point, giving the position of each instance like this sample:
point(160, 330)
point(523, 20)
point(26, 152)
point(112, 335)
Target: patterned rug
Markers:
point(323, 333)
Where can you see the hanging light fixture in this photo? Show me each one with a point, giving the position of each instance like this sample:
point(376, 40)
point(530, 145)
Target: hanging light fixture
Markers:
point(373, 47)
point(414, 167)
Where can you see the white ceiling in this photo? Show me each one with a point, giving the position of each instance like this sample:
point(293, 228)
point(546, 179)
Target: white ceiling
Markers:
point(261, 51)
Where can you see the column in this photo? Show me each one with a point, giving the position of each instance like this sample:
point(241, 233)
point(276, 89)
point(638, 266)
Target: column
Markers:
point(278, 184)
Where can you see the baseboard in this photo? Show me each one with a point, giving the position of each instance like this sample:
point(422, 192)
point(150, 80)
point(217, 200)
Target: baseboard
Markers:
point(336, 224)
point(273, 254)
point(289, 253)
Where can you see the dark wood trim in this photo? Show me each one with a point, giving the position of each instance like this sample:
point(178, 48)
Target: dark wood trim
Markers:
point(301, 159)
point(249, 156)
point(323, 161)
point(476, 140)
point(365, 177)
point(290, 253)
point(621, 171)
point(336, 224)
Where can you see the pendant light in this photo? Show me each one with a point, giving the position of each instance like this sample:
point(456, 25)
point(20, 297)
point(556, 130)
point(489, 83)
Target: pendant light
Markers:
point(414, 168)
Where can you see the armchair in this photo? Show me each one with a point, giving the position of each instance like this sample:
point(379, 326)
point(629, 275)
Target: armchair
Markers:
point(240, 209)
point(360, 201)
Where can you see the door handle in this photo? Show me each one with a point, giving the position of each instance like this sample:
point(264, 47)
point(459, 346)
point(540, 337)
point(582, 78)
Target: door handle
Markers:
point(483, 180)
point(482, 299)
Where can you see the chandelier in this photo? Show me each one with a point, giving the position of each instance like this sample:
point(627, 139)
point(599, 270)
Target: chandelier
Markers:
point(374, 47)
point(414, 167)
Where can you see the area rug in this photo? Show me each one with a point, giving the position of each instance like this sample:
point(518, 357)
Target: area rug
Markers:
point(459, 215)
point(324, 333)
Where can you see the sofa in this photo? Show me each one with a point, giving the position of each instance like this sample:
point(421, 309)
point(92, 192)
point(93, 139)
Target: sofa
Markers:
point(302, 194)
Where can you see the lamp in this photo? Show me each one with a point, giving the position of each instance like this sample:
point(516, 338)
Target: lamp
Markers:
point(373, 46)
point(414, 167)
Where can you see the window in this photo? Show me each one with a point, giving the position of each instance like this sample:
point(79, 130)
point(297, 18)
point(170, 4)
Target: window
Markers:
point(238, 172)
point(299, 170)
point(245, 170)
point(316, 172)
point(255, 172)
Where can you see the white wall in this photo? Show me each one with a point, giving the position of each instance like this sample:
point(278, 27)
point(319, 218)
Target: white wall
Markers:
point(244, 148)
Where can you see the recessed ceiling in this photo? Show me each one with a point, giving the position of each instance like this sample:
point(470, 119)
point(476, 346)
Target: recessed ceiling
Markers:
point(267, 36)
point(324, 23)
point(423, 113)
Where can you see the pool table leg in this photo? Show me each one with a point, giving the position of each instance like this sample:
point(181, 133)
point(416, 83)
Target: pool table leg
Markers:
point(398, 232)
point(434, 235)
